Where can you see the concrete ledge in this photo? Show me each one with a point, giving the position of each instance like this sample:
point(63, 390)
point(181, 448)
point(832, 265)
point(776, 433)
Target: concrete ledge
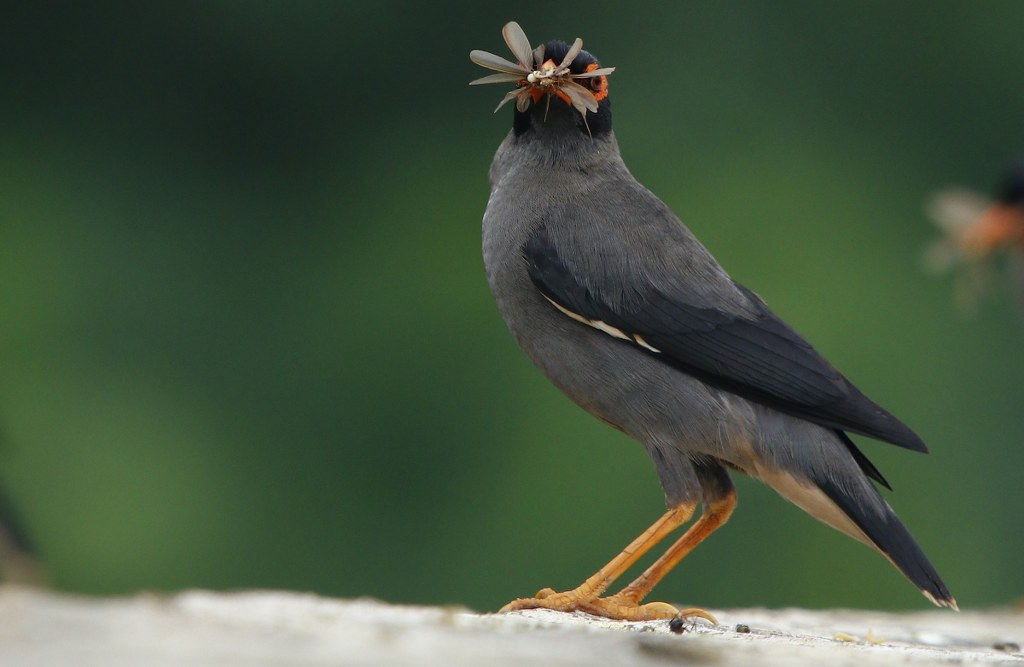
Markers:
point(199, 628)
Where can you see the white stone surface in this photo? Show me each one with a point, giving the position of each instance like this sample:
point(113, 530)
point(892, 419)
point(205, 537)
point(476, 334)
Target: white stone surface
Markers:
point(263, 628)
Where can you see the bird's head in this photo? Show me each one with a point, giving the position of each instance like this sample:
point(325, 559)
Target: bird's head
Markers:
point(552, 82)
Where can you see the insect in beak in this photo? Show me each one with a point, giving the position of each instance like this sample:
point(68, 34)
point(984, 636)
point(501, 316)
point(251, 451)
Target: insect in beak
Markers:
point(536, 77)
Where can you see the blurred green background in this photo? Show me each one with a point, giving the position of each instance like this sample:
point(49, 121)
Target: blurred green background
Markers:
point(246, 340)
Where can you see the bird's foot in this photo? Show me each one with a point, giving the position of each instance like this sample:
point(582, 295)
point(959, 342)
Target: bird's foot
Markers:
point(547, 598)
point(620, 607)
point(623, 606)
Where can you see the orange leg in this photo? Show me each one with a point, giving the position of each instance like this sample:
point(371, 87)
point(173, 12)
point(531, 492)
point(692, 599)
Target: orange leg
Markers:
point(590, 589)
point(626, 603)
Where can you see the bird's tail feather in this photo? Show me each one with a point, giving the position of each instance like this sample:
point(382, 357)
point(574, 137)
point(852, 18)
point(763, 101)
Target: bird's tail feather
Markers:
point(888, 535)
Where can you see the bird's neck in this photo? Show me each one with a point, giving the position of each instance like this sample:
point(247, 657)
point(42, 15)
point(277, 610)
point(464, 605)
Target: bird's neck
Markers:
point(545, 150)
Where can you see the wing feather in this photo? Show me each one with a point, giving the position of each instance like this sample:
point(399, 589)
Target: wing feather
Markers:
point(742, 346)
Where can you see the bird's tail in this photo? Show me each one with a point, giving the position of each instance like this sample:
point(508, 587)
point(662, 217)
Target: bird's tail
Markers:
point(855, 507)
point(886, 533)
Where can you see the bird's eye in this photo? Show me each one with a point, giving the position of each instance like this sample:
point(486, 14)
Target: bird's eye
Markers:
point(599, 85)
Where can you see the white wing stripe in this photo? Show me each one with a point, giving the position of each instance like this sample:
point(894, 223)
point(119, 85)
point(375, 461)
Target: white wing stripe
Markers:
point(605, 327)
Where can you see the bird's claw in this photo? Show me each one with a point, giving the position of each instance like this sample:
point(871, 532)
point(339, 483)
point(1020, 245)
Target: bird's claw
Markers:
point(617, 607)
point(624, 607)
point(546, 598)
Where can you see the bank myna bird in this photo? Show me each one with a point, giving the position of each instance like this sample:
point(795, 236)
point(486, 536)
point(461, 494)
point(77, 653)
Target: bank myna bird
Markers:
point(620, 306)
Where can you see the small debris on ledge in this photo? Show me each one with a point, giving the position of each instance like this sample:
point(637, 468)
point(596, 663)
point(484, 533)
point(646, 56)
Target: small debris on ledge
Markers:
point(204, 628)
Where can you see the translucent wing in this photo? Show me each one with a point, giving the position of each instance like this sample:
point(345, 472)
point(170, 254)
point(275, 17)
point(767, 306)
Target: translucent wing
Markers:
point(510, 95)
point(501, 77)
point(604, 71)
point(538, 56)
point(582, 99)
point(574, 51)
point(518, 44)
point(491, 61)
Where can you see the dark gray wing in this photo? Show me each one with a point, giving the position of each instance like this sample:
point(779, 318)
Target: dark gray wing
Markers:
point(623, 283)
